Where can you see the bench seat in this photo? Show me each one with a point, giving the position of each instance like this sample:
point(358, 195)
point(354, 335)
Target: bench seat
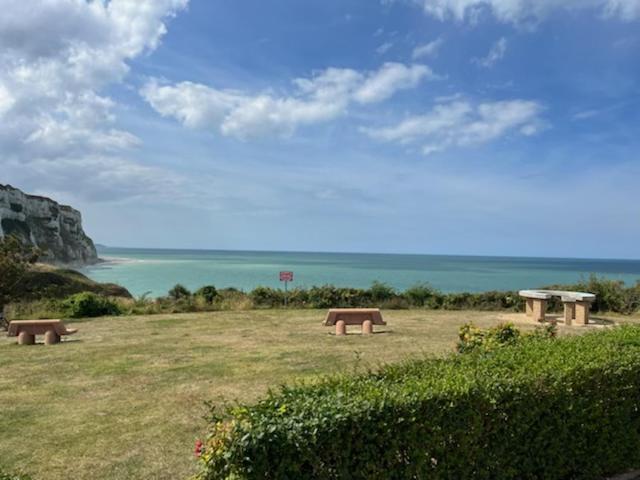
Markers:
point(26, 330)
point(341, 317)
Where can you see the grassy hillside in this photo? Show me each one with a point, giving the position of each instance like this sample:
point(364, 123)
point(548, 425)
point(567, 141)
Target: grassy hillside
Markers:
point(46, 281)
point(124, 397)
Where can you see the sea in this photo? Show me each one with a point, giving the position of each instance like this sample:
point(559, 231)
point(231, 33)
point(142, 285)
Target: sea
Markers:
point(155, 271)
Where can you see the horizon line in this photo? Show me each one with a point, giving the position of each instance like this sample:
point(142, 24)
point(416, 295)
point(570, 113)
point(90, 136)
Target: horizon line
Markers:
point(98, 245)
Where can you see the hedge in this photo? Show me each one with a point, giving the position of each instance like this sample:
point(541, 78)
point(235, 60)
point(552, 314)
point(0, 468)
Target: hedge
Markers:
point(563, 409)
point(88, 304)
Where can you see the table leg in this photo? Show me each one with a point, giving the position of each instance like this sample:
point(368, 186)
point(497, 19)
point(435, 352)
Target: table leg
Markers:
point(529, 307)
point(582, 313)
point(539, 309)
point(569, 312)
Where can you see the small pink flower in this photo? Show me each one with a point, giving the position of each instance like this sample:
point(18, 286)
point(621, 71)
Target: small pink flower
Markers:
point(199, 447)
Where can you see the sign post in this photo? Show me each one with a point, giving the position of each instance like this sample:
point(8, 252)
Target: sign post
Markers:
point(286, 277)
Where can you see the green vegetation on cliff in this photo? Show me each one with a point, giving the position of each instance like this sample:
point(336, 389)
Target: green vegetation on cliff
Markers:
point(45, 281)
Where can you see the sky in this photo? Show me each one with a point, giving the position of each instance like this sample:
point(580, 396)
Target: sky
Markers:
point(481, 127)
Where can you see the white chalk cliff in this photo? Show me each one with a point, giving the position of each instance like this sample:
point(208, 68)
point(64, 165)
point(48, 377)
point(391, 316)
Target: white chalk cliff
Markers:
point(55, 229)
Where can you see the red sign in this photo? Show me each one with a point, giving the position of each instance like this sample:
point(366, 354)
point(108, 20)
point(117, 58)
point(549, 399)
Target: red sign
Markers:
point(286, 276)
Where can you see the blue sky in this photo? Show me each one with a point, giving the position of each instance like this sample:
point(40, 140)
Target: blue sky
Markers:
point(499, 127)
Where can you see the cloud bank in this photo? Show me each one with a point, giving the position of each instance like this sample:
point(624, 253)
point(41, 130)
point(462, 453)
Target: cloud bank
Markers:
point(320, 98)
point(56, 60)
point(526, 11)
point(463, 123)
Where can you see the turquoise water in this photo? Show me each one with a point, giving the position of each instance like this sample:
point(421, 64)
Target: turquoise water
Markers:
point(156, 271)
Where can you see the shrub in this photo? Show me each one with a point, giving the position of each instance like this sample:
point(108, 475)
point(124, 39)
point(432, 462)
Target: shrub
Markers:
point(233, 299)
point(267, 297)
point(87, 304)
point(298, 297)
point(15, 260)
point(536, 410)
point(208, 293)
point(178, 292)
point(472, 338)
point(420, 294)
point(330, 296)
point(381, 292)
point(36, 309)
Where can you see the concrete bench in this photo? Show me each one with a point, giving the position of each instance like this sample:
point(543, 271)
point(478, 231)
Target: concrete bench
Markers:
point(366, 317)
point(576, 304)
point(26, 331)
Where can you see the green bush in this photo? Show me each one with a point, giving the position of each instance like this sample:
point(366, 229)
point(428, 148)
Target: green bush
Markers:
point(381, 292)
point(420, 295)
point(87, 304)
point(298, 297)
point(208, 293)
point(267, 297)
point(566, 409)
point(472, 338)
point(330, 296)
point(179, 292)
point(612, 296)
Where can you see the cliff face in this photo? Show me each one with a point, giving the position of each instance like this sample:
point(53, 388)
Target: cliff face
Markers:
point(56, 229)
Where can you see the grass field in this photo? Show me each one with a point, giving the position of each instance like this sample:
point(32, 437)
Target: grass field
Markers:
point(124, 397)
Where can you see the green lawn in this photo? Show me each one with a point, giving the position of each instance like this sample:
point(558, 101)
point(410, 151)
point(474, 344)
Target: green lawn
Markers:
point(124, 397)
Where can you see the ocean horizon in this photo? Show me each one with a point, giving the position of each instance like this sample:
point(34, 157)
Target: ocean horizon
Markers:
point(155, 271)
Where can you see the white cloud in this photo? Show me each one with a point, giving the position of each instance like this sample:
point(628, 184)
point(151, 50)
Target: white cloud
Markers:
point(463, 123)
point(390, 78)
point(496, 54)
point(585, 114)
point(526, 11)
point(56, 60)
point(428, 49)
point(320, 98)
point(384, 48)
point(199, 105)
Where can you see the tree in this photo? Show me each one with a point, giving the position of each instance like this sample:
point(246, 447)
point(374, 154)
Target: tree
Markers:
point(15, 259)
point(179, 292)
point(208, 292)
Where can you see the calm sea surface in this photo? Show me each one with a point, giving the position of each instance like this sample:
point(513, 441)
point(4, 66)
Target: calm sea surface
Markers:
point(156, 271)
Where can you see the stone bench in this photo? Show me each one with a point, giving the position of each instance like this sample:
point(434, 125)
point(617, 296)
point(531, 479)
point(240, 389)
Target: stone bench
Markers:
point(26, 331)
point(576, 304)
point(366, 317)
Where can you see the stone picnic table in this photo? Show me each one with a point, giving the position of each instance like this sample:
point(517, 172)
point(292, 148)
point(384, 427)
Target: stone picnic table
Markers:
point(576, 304)
point(26, 331)
point(341, 317)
